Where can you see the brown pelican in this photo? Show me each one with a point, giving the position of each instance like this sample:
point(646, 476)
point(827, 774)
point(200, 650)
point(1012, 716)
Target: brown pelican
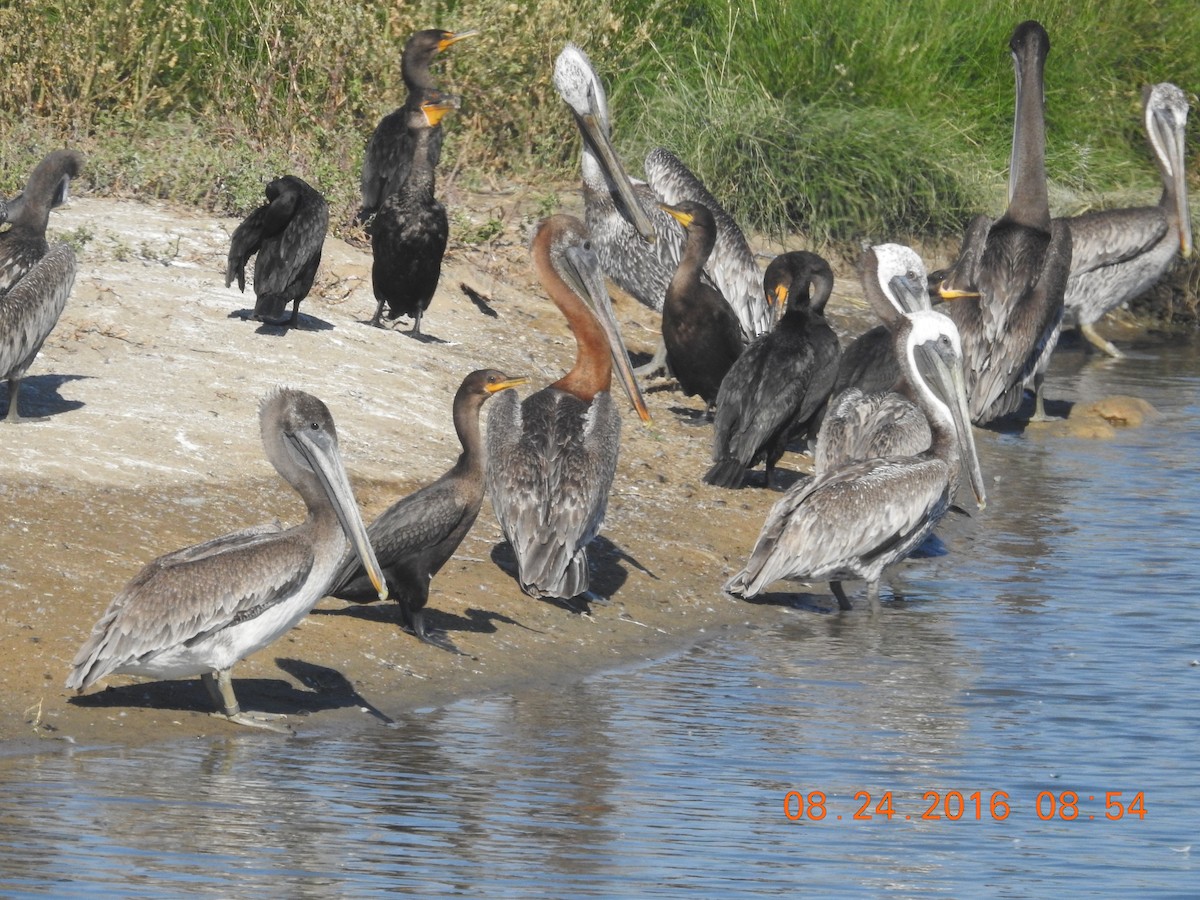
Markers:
point(774, 391)
point(1011, 311)
point(700, 331)
point(200, 610)
point(877, 417)
point(408, 237)
point(618, 212)
point(869, 364)
point(551, 459)
point(856, 520)
point(287, 232)
point(1118, 254)
point(417, 535)
point(35, 278)
point(392, 146)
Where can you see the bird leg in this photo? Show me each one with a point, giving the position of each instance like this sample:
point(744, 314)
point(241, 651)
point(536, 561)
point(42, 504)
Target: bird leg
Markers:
point(658, 363)
point(873, 595)
point(376, 321)
point(14, 388)
point(416, 329)
point(295, 313)
point(840, 593)
point(437, 638)
point(220, 688)
point(1088, 330)
point(1039, 409)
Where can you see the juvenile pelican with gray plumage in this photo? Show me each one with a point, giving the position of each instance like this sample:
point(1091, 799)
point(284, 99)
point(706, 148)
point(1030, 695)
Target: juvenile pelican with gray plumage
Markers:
point(1118, 254)
point(35, 278)
point(200, 610)
point(856, 520)
point(623, 216)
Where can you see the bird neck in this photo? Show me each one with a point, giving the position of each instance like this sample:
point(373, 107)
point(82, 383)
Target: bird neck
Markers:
point(466, 426)
point(592, 372)
point(421, 180)
point(698, 246)
point(1028, 200)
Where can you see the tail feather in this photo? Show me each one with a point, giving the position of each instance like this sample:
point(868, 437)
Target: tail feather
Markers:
point(728, 473)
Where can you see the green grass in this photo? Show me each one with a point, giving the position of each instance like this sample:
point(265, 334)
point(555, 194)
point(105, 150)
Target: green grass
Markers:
point(844, 121)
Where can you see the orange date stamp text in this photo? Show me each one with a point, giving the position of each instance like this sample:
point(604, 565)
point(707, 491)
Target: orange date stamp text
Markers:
point(965, 806)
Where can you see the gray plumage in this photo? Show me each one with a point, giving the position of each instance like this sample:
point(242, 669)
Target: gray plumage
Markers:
point(869, 362)
point(35, 278)
point(1119, 254)
point(623, 215)
point(288, 234)
point(856, 520)
point(24, 243)
point(28, 313)
point(199, 610)
point(552, 458)
point(882, 419)
point(1010, 321)
point(864, 426)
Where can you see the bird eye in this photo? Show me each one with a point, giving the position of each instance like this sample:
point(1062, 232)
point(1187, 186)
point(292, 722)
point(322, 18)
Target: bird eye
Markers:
point(315, 426)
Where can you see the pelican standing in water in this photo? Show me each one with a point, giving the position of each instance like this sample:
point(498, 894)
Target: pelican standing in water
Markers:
point(623, 216)
point(856, 520)
point(35, 278)
point(551, 459)
point(288, 233)
point(1010, 311)
point(418, 534)
point(774, 391)
point(392, 146)
point(880, 418)
point(200, 610)
point(1118, 254)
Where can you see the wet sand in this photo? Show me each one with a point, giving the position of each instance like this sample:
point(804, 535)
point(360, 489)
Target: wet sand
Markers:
point(147, 441)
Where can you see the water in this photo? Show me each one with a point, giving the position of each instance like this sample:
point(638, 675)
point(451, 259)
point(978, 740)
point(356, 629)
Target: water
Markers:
point(1053, 650)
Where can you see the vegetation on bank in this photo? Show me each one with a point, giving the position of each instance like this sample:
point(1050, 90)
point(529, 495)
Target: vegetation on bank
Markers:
point(843, 121)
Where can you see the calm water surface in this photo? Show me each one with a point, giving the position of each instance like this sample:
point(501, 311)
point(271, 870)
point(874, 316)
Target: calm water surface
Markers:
point(1054, 649)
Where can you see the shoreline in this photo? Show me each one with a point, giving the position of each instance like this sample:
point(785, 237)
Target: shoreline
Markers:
point(148, 390)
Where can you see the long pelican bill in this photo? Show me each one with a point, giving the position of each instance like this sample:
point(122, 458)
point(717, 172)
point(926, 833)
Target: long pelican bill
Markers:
point(616, 174)
point(583, 270)
point(1166, 126)
point(319, 450)
point(910, 291)
point(1179, 176)
point(952, 387)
